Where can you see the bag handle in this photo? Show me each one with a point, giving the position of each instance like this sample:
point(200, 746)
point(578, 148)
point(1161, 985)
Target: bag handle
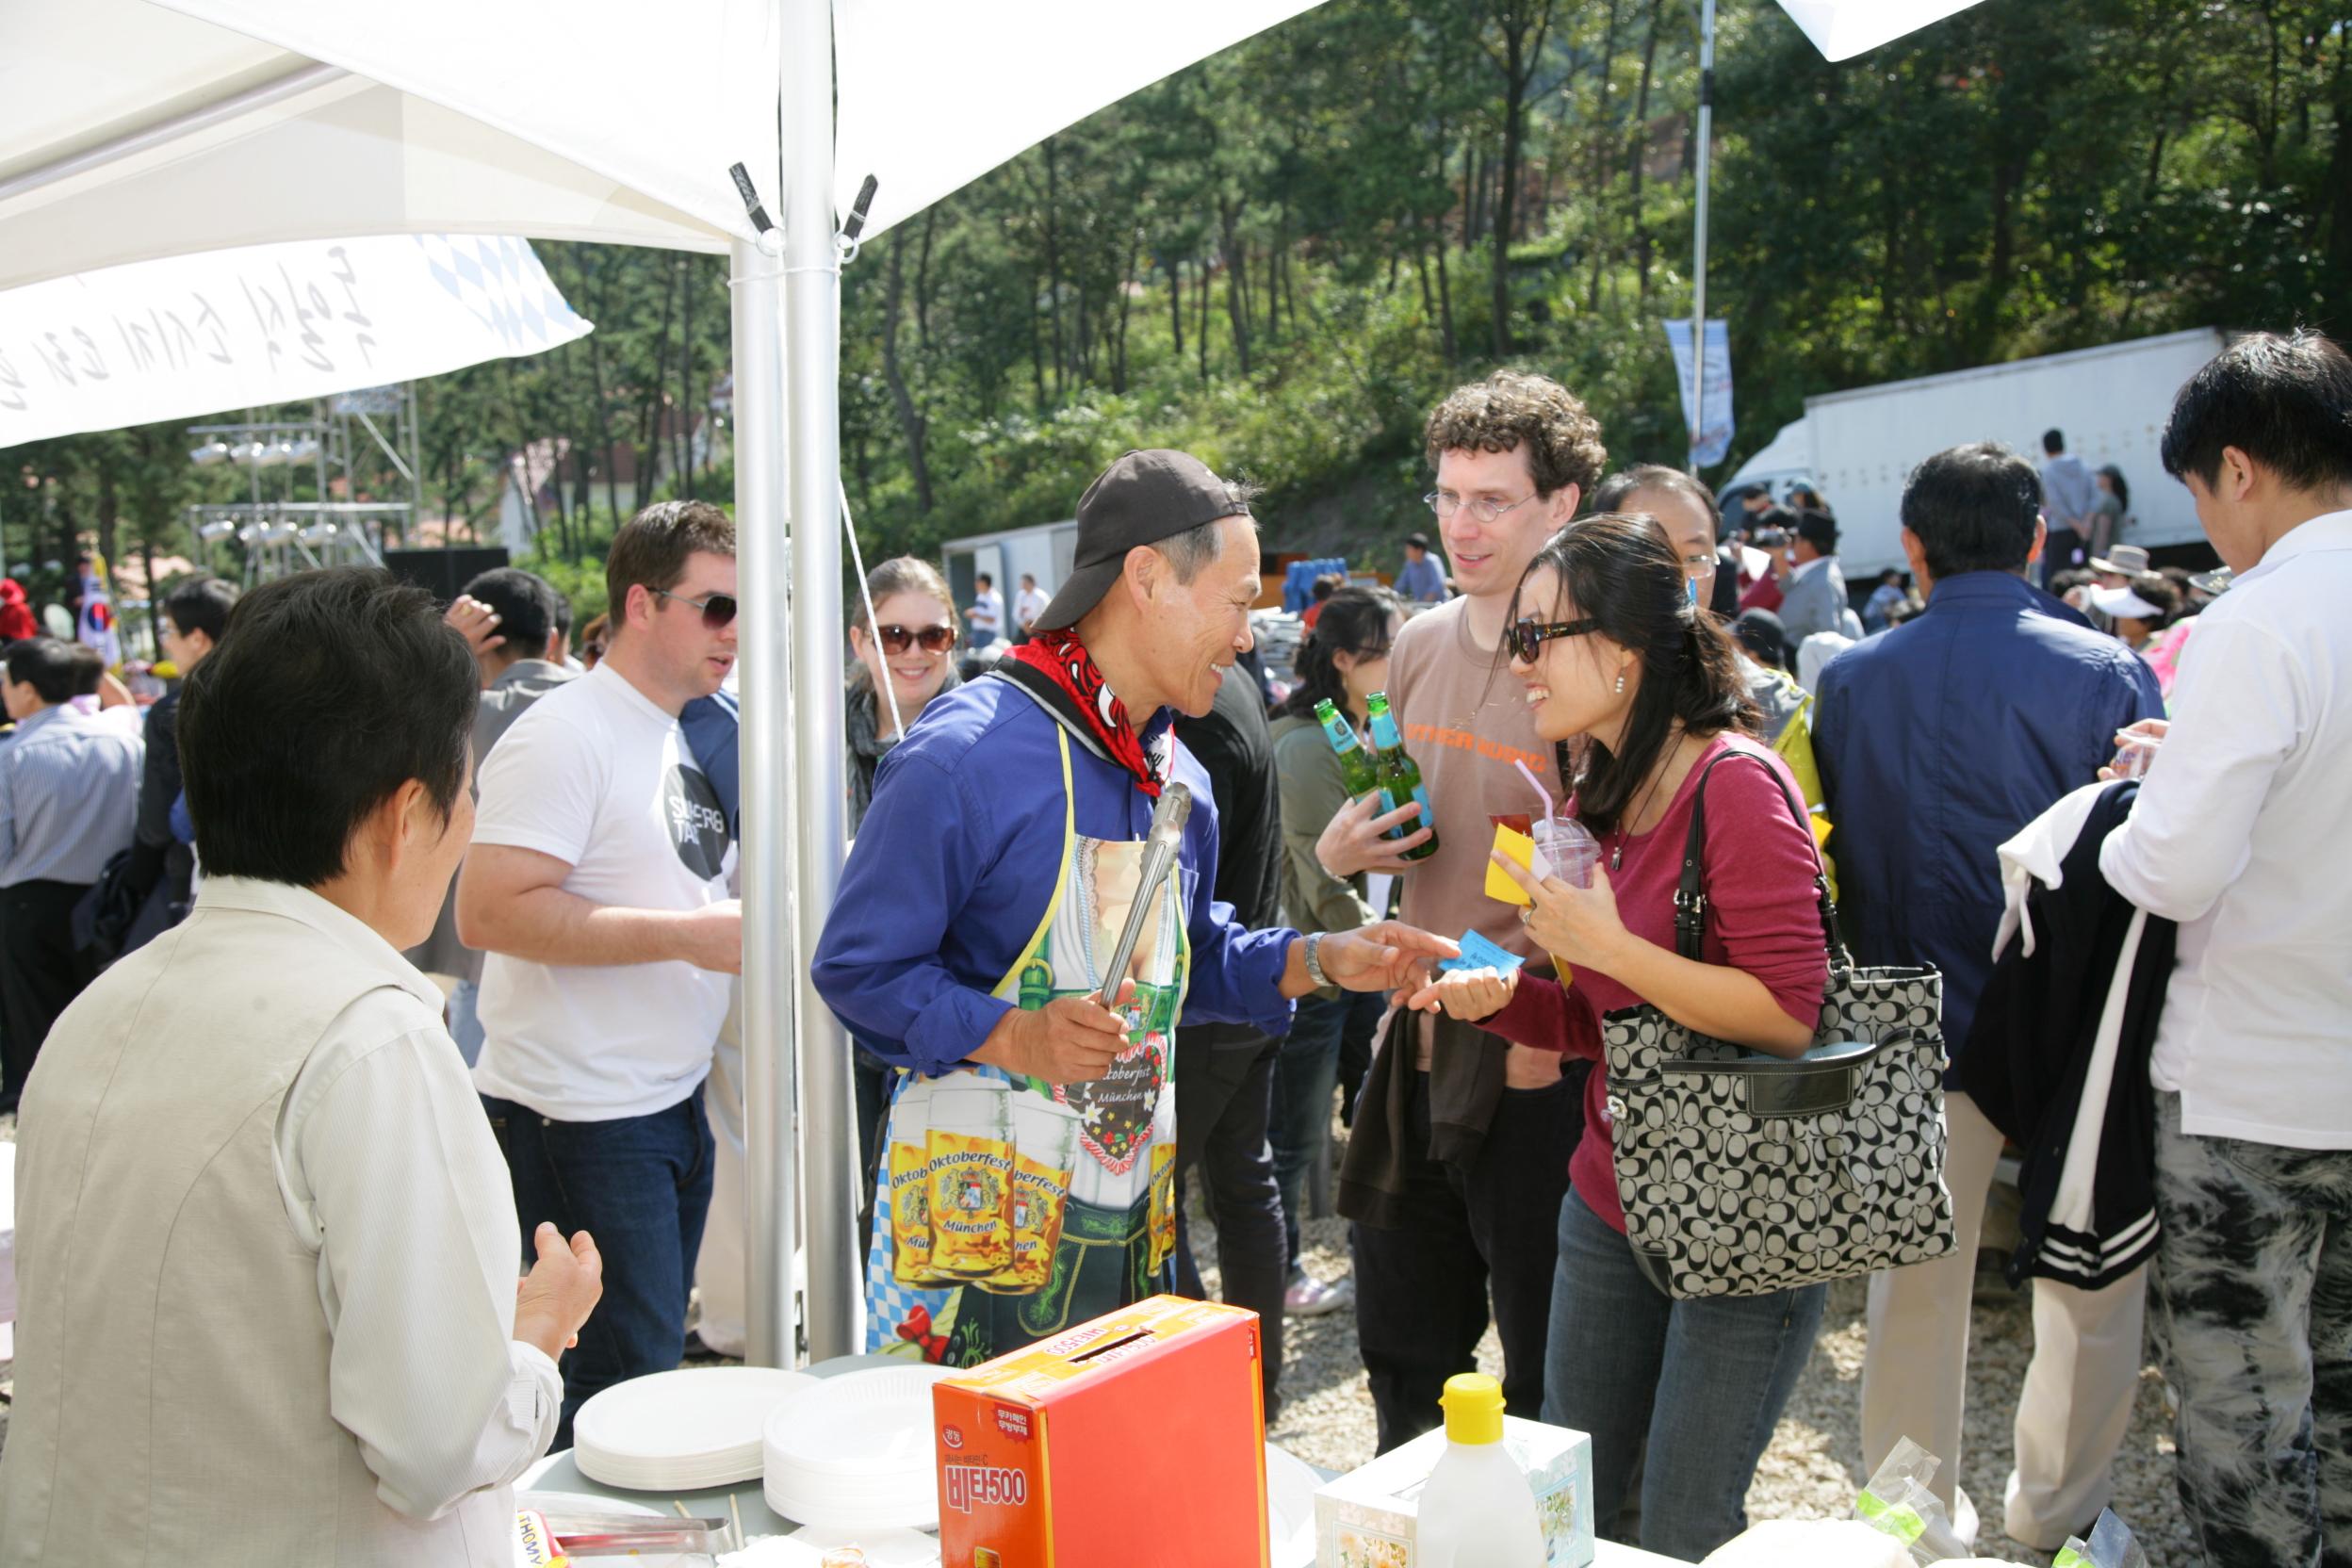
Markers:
point(1690, 892)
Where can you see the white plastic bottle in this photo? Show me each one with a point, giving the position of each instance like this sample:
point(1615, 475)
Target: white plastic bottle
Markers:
point(1477, 1510)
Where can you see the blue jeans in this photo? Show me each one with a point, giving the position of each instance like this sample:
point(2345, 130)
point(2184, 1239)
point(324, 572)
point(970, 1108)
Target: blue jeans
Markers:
point(641, 1186)
point(1684, 1391)
point(466, 1020)
point(1304, 1075)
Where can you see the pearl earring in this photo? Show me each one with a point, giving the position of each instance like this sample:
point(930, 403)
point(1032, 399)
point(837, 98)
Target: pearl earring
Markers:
point(1621, 683)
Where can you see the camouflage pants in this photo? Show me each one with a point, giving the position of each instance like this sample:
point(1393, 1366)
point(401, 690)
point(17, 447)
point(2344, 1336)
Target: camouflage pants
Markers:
point(2252, 1314)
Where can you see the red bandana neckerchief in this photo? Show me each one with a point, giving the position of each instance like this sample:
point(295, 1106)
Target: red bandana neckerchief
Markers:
point(1064, 662)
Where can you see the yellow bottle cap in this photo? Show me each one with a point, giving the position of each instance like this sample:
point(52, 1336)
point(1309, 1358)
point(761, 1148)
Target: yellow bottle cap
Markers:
point(1473, 1403)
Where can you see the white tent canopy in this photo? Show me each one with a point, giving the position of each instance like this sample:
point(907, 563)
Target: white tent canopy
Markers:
point(265, 324)
point(225, 122)
point(1842, 30)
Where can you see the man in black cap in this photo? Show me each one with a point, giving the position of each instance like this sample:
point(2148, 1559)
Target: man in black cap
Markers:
point(1813, 596)
point(1420, 582)
point(1028, 1180)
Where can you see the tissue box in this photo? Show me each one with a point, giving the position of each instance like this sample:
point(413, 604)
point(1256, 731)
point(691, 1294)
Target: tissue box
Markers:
point(1137, 1439)
point(1365, 1518)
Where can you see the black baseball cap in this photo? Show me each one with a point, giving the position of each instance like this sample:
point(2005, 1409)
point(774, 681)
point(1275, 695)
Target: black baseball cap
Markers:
point(1819, 530)
point(1141, 499)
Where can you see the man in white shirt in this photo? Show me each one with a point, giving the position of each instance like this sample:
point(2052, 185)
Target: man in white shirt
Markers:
point(2070, 496)
point(597, 886)
point(2239, 834)
point(1030, 604)
point(265, 1242)
point(984, 620)
point(69, 800)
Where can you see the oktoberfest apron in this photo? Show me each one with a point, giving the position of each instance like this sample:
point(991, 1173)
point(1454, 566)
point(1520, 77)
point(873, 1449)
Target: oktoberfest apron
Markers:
point(1007, 1209)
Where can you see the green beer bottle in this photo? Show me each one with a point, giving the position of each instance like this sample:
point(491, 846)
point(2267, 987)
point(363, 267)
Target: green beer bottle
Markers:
point(1357, 769)
point(1400, 776)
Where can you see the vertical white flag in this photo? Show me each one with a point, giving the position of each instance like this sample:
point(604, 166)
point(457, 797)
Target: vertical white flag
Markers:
point(1714, 429)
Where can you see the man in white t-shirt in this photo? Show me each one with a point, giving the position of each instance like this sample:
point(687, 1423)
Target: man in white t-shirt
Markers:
point(986, 618)
point(1030, 603)
point(596, 885)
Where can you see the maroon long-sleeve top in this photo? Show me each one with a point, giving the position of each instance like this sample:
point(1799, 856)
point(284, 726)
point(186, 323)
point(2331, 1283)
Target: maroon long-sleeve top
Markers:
point(1763, 916)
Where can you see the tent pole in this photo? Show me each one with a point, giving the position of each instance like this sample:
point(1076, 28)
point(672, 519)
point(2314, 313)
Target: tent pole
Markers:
point(771, 1143)
point(1698, 260)
point(812, 286)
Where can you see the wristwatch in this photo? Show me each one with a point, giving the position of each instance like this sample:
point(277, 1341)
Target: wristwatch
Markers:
point(1314, 961)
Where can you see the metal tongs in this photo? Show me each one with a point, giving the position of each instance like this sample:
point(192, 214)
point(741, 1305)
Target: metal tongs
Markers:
point(585, 1532)
point(1160, 845)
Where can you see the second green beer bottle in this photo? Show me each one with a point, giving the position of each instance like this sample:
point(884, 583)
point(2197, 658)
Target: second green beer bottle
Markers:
point(1399, 775)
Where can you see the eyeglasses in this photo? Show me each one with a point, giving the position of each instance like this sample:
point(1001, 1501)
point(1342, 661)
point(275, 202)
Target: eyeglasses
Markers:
point(1486, 509)
point(1526, 640)
point(896, 639)
point(717, 610)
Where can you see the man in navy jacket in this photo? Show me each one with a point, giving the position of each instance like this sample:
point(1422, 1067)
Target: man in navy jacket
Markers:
point(1937, 742)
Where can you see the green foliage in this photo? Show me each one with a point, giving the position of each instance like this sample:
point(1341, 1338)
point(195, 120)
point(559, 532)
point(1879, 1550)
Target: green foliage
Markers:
point(1280, 257)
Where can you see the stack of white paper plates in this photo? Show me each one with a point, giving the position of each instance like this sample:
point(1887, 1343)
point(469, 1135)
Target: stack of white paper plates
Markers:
point(856, 1451)
point(1290, 1486)
point(682, 1432)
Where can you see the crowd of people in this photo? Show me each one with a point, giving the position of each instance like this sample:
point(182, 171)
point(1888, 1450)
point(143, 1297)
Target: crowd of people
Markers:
point(276, 1183)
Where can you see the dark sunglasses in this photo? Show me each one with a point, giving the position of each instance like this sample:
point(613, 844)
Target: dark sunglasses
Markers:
point(935, 639)
point(1526, 640)
point(717, 610)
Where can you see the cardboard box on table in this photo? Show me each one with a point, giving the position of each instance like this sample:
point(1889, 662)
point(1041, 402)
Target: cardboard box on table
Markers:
point(1133, 1441)
point(1365, 1518)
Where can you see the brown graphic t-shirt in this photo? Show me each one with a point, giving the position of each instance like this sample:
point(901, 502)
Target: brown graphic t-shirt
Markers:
point(1466, 720)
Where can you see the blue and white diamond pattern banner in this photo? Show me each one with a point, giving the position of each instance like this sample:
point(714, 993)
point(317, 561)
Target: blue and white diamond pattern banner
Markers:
point(267, 324)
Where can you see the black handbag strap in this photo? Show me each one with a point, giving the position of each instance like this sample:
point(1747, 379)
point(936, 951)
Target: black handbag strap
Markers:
point(1691, 893)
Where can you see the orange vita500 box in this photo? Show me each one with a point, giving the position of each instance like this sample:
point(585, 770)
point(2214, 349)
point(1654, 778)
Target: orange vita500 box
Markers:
point(1135, 1440)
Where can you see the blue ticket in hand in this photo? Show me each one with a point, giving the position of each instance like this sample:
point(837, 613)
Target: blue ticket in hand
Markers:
point(1480, 952)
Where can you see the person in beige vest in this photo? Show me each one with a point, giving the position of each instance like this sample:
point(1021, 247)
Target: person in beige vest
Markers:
point(265, 1241)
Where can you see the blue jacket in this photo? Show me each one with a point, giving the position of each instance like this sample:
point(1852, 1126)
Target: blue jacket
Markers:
point(1941, 739)
point(955, 865)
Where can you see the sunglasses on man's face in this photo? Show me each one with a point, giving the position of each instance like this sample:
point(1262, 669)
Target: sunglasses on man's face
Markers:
point(935, 639)
point(717, 610)
point(1526, 638)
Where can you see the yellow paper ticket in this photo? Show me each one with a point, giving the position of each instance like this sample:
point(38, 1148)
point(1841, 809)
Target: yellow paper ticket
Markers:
point(1519, 848)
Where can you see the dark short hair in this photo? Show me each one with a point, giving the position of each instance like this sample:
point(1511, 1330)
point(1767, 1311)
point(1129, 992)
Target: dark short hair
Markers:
point(1764, 635)
point(2285, 401)
point(1974, 509)
point(987, 578)
point(562, 614)
point(1326, 585)
point(2053, 441)
point(651, 548)
point(200, 603)
point(1510, 409)
point(48, 666)
point(1611, 492)
point(525, 604)
point(90, 668)
point(338, 687)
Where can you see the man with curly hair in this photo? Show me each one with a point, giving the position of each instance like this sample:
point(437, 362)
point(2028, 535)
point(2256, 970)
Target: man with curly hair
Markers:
point(1455, 1173)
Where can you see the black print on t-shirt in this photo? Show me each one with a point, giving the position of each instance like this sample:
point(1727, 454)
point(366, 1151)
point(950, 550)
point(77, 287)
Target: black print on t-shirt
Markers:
point(698, 826)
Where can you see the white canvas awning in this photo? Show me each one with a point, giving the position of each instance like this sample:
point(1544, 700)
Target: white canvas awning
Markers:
point(1842, 30)
point(265, 324)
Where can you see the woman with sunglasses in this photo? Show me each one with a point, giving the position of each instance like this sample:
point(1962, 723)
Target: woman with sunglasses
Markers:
point(908, 652)
point(1343, 662)
point(904, 655)
point(1609, 648)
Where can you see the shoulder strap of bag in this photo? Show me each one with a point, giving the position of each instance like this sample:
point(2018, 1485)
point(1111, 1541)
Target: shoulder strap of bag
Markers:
point(1690, 892)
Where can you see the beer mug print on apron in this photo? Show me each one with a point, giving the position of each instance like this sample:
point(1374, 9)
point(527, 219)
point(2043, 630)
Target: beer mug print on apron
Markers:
point(1007, 1209)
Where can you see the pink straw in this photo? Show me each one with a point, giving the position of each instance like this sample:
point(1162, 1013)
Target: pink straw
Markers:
point(1536, 784)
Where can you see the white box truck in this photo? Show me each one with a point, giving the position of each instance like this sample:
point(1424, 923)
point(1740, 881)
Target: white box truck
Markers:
point(1857, 447)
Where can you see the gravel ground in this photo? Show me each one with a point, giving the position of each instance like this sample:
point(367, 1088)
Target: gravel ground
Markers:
point(1813, 1468)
